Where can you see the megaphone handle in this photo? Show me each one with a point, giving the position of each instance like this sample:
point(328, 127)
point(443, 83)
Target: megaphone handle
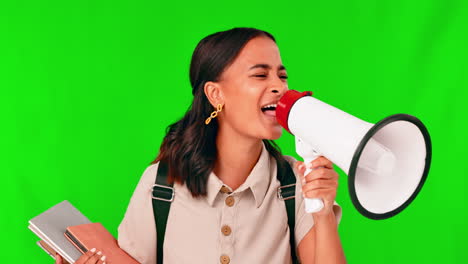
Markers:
point(312, 205)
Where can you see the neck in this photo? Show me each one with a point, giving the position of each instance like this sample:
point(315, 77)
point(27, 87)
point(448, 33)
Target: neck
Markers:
point(236, 156)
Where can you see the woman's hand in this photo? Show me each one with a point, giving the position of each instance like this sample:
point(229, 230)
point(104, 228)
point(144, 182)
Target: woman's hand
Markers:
point(90, 257)
point(321, 182)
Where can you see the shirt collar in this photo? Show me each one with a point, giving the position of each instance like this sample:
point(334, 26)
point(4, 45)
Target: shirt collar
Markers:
point(257, 181)
point(214, 186)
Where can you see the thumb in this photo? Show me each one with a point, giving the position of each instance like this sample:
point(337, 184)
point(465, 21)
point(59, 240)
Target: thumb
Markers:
point(297, 165)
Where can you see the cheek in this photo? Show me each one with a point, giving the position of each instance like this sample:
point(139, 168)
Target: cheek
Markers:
point(244, 101)
point(243, 112)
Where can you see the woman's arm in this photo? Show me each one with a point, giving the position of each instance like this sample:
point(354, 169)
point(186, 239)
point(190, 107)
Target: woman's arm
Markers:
point(322, 243)
point(329, 250)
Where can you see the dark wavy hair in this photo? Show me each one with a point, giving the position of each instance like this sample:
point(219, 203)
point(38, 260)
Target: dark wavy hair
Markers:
point(189, 147)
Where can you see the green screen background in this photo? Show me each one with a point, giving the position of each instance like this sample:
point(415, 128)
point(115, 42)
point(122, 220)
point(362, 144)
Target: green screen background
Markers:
point(88, 88)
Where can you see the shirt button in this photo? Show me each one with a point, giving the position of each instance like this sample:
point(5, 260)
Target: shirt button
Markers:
point(225, 259)
point(226, 230)
point(229, 201)
point(225, 189)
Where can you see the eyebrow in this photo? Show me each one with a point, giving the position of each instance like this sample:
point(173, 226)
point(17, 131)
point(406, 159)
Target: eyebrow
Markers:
point(266, 66)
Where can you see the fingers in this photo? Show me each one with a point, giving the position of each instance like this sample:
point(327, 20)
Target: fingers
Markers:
point(320, 184)
point(321, 173)
point(325, 194)
point(58, 259)
point(86, 256)
point(97, 258)
point(296, 166)
point(315, 164)
point(321, 162)
point(92, 256)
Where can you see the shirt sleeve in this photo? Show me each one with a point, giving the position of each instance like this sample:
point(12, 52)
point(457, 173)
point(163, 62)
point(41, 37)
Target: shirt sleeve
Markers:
point(305, 221)
point(137, 231)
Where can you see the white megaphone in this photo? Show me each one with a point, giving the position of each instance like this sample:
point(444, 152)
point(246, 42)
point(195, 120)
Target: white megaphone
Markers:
point(387, 163)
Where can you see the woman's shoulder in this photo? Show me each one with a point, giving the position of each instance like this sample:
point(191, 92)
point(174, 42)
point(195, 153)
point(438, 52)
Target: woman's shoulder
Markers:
point(150, 171)
point(153, 167)
point(146, 179)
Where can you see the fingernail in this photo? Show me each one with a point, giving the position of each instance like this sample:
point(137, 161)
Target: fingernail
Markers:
point(99, 253)
point(93, 250)
point(103, 258)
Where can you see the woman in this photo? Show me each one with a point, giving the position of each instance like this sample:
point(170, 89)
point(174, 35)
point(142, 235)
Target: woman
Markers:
point(222, 150)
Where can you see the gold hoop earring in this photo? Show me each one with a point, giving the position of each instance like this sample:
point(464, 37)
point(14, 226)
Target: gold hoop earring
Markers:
point(214, 114)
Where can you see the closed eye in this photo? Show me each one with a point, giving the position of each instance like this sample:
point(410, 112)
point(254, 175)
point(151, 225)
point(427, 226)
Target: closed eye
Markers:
point(264, 76)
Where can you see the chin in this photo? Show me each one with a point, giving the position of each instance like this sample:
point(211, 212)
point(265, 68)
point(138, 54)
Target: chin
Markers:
point(274, 134)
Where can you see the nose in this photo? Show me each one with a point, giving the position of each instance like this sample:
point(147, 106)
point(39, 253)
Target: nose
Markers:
point(279, 87)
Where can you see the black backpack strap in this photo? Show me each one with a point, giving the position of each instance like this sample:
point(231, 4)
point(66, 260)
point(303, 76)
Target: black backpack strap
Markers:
point(287, 192)
point(163, 195)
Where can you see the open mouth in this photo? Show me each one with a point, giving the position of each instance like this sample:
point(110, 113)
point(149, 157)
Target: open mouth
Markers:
point(269, 110)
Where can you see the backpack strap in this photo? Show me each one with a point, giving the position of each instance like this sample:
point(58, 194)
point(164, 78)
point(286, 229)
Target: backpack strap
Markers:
point(287, 193)
point(162, 196)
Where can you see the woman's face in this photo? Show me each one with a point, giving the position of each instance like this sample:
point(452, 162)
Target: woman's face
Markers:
point(255, 79)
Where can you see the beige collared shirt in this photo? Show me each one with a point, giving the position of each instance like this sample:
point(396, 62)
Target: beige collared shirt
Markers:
point(249, 225)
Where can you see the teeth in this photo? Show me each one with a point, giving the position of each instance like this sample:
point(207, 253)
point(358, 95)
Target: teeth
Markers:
point(270, 105)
